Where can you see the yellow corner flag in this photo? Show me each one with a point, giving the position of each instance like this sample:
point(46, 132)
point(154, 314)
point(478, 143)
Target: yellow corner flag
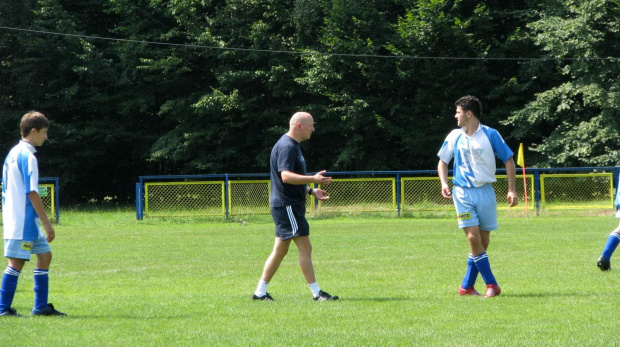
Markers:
point(521, 163)
point(520, 160)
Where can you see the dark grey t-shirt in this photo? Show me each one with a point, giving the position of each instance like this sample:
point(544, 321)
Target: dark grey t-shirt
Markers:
point(286, 156)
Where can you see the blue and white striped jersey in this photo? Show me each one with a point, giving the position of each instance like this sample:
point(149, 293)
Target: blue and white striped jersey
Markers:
point(474, 157)
point(20, 176)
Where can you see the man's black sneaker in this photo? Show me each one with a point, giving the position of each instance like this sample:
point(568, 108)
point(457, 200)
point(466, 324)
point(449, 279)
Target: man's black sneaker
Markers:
point(603, 263)
point(265, 297)
point(10, 312)
point(324, 296)
point(49, 310)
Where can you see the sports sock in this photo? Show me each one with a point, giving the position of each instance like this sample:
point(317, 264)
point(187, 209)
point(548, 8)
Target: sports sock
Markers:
point(41, 288)
point(9, 285)
point(314, 288)
point(471, 274)
point(261, 289)
point(612, 242)
point(483, 265)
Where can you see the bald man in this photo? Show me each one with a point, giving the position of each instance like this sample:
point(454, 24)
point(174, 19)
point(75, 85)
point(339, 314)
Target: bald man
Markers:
point(289, 188)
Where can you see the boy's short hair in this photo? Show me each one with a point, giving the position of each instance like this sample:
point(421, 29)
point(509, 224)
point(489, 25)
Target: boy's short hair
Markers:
point(470, 103)
point(33, 120)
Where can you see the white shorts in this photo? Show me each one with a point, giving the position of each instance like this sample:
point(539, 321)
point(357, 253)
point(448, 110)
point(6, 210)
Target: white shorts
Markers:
point(476, 206)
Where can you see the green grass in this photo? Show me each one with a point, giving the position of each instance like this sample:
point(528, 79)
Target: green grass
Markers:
point(188, 282)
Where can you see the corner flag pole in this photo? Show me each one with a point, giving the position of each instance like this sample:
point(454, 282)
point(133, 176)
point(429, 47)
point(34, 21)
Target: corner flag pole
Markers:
point(521, 163)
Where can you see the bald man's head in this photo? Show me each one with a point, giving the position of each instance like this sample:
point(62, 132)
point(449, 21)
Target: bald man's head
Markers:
point(301, 126)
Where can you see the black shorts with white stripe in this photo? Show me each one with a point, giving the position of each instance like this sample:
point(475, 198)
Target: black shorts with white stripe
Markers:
point(290, 221)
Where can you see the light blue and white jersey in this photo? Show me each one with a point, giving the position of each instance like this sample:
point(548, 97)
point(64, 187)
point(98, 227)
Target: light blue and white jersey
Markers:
point(20, 176)
point(474, 157)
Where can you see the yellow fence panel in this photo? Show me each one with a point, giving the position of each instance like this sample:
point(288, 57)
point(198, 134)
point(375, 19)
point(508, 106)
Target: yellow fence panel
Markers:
point(249, 197)
point(48, 197)
point(359, 195)
point(184, 199)
point(423, 194)
point(576, 191)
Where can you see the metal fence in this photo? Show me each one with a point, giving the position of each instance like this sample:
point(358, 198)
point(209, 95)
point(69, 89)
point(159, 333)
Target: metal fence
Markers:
point(368, 191)
point(49, 188)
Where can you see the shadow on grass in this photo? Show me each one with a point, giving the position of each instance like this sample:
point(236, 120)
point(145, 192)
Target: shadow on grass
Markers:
point(376, 299)
point(547, 295)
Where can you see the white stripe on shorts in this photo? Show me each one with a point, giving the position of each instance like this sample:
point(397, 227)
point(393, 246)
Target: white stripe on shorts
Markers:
point(291, 218)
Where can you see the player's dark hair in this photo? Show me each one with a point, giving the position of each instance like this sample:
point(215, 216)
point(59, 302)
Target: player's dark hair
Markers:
point(33, 120)
point(470, 103)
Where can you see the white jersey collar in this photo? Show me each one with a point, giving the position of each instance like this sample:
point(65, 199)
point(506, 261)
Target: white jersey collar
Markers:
point(29, 146)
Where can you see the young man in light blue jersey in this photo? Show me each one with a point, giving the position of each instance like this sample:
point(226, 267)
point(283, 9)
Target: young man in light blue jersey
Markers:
point(474, 147)
point(613, 239)
point(22, 212)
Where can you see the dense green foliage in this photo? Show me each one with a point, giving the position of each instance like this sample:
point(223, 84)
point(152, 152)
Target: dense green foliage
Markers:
point(172, 96)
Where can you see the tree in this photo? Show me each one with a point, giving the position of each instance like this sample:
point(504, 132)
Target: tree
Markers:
point(574, 122)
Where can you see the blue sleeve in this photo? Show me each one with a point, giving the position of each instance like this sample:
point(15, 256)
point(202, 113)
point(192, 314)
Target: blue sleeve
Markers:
point(500, 147)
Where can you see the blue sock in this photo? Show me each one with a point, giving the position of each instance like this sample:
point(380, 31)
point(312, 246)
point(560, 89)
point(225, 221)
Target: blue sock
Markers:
point(483, 265)
point(41, 288)
point(472, 273)
point(9, 285)
point(610, 246)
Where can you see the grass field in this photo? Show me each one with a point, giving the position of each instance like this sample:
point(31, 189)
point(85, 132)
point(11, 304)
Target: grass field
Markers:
point(186, 282)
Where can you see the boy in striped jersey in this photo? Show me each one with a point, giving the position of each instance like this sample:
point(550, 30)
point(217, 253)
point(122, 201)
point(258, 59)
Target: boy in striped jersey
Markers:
point(22, 212)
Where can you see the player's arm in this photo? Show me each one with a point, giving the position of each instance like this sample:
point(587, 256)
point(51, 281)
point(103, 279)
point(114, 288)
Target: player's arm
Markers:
point(442, 171)
point(37, 204)
point(510, 172)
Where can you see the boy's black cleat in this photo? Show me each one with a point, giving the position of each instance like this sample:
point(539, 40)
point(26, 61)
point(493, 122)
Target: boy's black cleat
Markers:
point(11, 312)
point(49, 310)
point(324, 296)
point(603, 264)
point(265, 297)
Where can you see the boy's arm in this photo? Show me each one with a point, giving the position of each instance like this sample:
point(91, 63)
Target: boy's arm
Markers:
point(510, 172)
point(37, 204)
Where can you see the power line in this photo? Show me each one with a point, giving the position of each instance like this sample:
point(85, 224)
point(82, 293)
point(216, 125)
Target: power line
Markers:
point(185, 45)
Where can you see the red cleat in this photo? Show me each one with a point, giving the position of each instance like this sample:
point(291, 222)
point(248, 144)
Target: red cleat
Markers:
point(470, 291)
point(492, 290)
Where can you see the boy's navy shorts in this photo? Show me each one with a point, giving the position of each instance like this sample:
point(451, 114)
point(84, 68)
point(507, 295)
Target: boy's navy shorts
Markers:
point(290, 221)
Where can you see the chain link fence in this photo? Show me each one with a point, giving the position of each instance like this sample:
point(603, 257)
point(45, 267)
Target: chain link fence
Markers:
point(249, 197)
point(359, 195)
point(564, 191)
point(393, 192)
point(184, 199)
